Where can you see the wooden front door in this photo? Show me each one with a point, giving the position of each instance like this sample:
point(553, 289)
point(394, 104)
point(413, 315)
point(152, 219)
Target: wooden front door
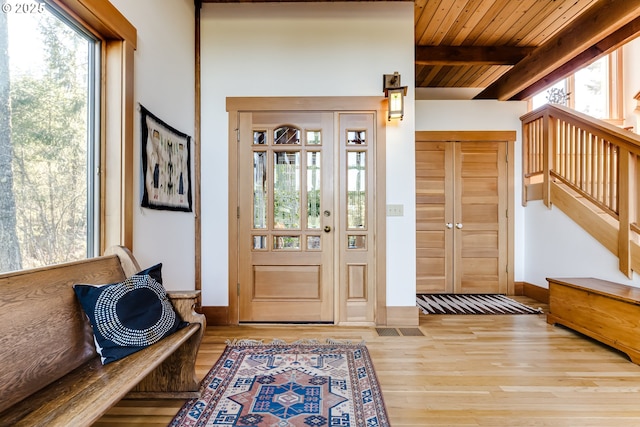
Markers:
point(286, 217)
point(307, 217)
point(461, 216)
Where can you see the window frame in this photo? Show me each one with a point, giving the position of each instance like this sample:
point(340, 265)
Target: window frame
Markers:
point(119, 41)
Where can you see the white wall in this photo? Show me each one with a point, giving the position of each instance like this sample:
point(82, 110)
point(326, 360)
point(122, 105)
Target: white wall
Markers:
point(558, 247)
point(305, 49)
point(164, 84)
point(432, 115)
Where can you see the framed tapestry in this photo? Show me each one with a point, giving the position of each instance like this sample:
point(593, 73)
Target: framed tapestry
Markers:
point(166, 165)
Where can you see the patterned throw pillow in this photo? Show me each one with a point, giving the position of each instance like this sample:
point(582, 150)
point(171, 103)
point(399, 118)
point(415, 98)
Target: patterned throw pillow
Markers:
point(128, 316)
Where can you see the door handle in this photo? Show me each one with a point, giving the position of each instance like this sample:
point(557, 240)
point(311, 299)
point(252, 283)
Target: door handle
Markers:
point(459, 225)
point(327, 229)
point(449, 225)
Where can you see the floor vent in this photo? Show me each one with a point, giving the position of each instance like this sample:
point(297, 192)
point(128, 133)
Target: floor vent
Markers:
point(411, 332)
point(393, 332)
point(388, 332)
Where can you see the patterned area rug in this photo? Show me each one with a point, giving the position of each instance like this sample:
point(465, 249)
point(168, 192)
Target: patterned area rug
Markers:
point(304, 384)
point(472, 304)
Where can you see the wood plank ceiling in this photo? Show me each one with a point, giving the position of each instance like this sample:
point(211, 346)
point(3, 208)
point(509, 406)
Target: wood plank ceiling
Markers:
point(510, 49)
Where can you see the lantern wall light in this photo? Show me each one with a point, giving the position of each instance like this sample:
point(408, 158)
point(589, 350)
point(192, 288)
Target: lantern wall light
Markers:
point(395, 92)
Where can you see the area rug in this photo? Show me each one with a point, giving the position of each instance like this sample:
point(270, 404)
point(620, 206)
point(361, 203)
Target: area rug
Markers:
point(472, 304)
point(304, 384)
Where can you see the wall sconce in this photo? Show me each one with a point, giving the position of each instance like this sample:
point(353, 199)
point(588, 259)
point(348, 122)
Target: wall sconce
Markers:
point(396, 93)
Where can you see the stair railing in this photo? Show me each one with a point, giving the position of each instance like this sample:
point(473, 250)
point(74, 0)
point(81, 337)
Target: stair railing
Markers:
point(595, 159)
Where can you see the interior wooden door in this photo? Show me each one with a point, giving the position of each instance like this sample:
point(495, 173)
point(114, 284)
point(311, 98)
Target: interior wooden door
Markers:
point(434, 217)
point(480, 217)
point(461, 217)
point(286, 217)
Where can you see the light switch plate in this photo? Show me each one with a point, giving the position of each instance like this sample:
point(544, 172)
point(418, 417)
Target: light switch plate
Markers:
point(395, 210)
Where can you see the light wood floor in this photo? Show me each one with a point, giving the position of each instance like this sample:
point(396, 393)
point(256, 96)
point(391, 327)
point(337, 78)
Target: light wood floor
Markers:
point(465, 371)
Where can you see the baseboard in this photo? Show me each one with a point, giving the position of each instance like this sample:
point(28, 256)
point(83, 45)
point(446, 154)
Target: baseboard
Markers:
point(535, 292)
point(402, 316)
point(216, 316)
point(518, 288)
point(396, 316)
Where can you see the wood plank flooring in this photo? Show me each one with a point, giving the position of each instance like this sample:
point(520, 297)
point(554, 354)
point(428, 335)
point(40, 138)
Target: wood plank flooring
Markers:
point(504, 370)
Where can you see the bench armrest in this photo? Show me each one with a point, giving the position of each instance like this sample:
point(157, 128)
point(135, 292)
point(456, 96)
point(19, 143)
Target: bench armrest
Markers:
point(184, 303)
point(176, 377)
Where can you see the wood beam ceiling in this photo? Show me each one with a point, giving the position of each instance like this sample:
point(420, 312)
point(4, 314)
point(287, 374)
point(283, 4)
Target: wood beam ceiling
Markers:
point(606, 46)
point(599, 22)
point(471, 55)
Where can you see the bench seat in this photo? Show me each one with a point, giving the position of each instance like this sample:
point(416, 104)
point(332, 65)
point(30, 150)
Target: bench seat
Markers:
point(86, 393)
point(50, 373)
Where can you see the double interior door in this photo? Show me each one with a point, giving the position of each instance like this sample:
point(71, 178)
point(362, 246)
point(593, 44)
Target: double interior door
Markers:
point(306, 183)
point(461, 216)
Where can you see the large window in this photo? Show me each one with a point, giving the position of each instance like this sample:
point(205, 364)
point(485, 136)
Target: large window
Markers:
point(592, 90)
point(53, 144)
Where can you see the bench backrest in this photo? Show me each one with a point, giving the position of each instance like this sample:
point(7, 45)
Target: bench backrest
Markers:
point(44, 333)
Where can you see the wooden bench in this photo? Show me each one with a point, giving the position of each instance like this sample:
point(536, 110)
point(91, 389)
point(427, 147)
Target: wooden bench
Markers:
point(606, 311)
point(50, 373)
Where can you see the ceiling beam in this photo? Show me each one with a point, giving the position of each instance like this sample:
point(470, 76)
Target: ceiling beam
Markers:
point(603, 19)
point(470, 55)
point(606, 46)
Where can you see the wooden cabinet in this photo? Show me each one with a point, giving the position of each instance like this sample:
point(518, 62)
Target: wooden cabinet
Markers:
point(462, 196)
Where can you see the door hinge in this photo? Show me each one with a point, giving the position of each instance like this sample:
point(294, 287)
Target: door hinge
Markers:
point(238, 135)
point(238, 289)
point(238, 212)
point(506, 213)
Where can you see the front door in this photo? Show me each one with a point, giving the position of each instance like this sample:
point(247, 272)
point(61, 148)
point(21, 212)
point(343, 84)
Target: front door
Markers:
point(308, 217)
point(286, 217)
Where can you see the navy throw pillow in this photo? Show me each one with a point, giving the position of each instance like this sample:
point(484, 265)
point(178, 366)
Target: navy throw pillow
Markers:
point(128, 316)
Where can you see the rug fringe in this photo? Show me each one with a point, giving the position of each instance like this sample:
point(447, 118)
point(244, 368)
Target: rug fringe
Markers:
point(246, 342)
point(243, 342)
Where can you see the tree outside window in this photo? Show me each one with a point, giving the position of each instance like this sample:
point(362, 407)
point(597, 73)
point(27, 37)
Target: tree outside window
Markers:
point(46, 153)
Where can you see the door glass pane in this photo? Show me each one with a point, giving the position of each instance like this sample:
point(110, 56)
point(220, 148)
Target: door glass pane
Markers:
point(356, 137)
point(259, 137)
point(356, 189)
point(356, 242)
point(260, 189)
point(313, 190)
point(286, 190)
point(286, 242)
point(259, 242)
point(313, 242)
point(286, 135)
point(313, 137)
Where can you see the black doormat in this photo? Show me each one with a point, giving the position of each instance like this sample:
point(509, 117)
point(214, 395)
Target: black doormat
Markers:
point(472, 304)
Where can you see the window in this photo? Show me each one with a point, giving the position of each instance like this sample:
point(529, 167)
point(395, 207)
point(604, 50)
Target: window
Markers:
point(61, 122)
point(592, 90)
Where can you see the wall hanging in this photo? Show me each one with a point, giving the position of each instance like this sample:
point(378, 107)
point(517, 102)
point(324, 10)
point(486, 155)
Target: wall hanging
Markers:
point(166, 165)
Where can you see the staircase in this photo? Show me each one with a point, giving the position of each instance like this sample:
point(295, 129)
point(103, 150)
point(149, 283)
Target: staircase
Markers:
point(590, 170)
